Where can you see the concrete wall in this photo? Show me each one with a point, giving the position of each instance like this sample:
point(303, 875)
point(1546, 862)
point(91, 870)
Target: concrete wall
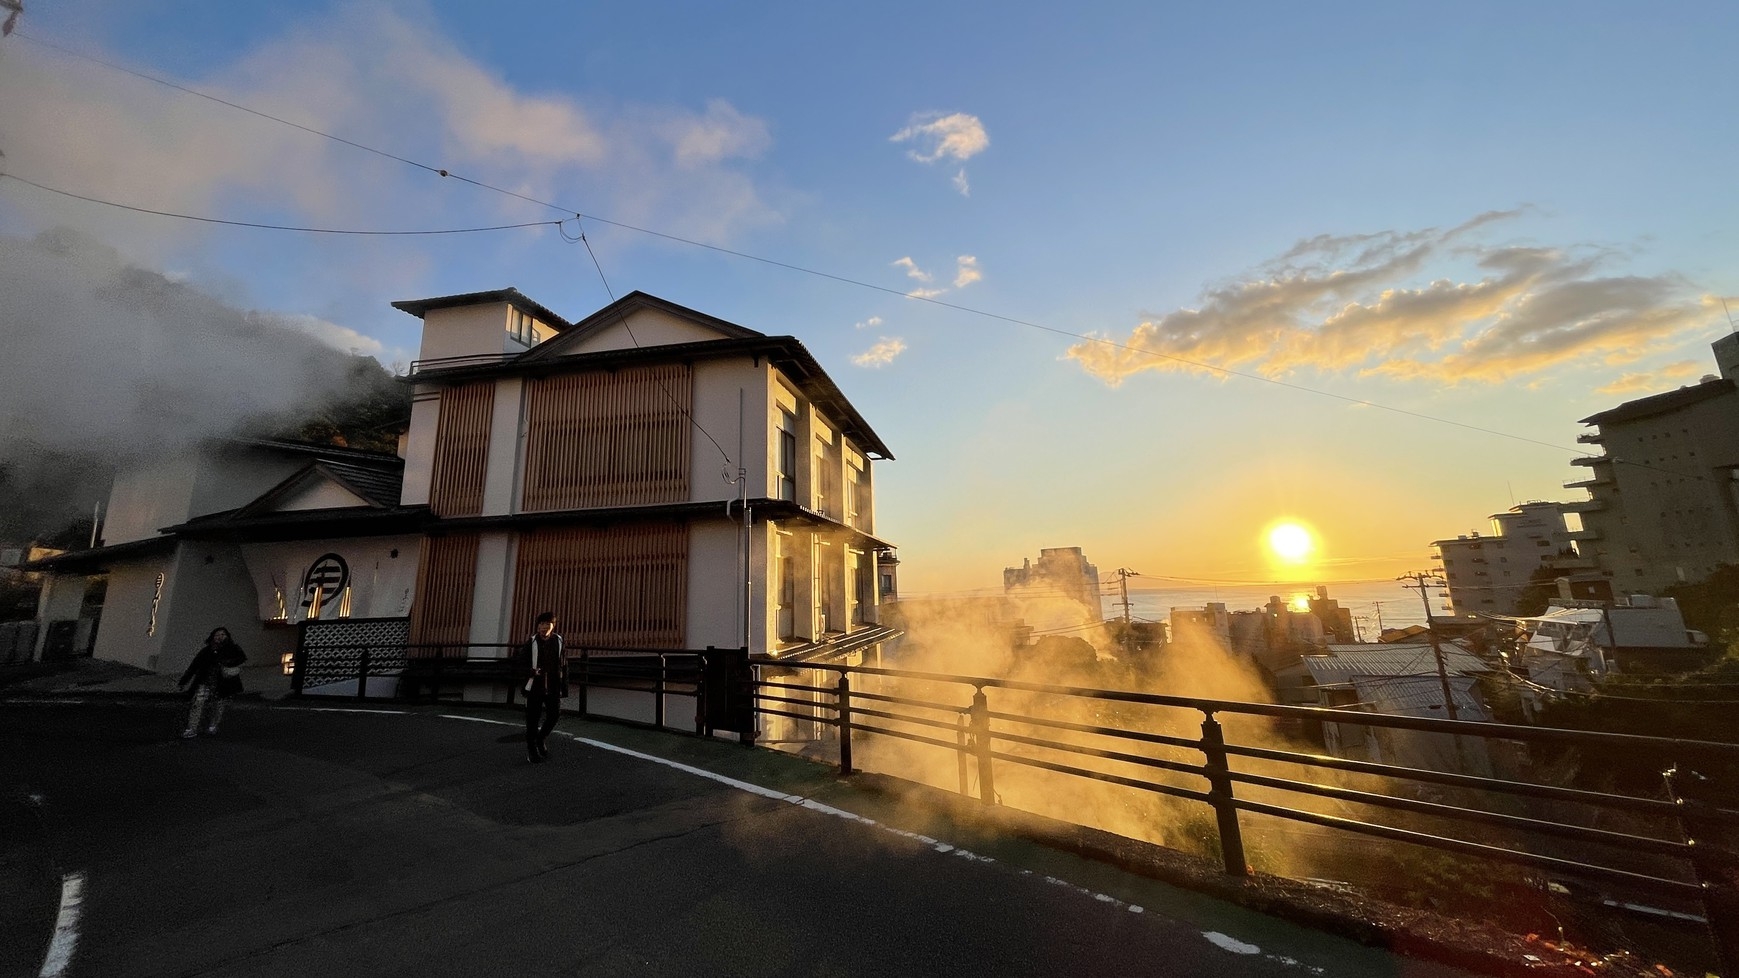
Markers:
point(147, 497)
point(715, 585)
point(492, 593)
point(123, 636)
point(419, 447)
point(465, 331)
point(502, 481)
point(728, 393)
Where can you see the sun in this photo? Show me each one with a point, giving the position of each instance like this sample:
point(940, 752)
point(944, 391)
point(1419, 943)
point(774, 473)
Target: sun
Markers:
point(1291, 542)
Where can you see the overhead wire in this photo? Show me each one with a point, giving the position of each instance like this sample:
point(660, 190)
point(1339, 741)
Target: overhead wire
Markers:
point(271, 227)
point(446, 173)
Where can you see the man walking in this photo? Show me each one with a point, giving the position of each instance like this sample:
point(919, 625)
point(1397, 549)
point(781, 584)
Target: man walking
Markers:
point(545, 686)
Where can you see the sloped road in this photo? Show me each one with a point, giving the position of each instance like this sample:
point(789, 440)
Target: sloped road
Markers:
point(307, 842)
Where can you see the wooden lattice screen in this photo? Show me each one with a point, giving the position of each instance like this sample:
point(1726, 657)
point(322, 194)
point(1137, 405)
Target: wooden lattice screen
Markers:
point(608, 438)
point(462, 449)
point(620, 587)
point(446, 574)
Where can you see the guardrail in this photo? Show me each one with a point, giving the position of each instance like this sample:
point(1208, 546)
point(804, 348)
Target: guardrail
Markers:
point(1179, 747)
point(1109, 736)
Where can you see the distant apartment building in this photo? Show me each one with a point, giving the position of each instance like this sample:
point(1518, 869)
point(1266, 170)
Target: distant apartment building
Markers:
point(1061, 575)
point(1663, 506)
point(1488, 574)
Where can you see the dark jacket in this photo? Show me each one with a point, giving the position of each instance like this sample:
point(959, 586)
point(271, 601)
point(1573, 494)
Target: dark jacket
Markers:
point(207, 666)
point(553, 675)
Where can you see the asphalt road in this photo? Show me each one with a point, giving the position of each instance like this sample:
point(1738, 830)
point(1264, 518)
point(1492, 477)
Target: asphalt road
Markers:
point(313, 843)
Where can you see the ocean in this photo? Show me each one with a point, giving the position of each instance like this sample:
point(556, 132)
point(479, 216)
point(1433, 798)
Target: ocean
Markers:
point(1370, 602)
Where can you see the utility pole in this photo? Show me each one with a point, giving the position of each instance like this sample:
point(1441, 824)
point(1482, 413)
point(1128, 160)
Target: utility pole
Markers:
point(1123, 575)
point(1422, 582)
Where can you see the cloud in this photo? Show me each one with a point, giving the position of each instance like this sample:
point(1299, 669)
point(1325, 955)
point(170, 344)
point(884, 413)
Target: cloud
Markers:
point(935, 136)
point(380, 78)
point(881, 354)
point(1368, 305)
point(1654, 381)
point(870, 323)
point(926, 293)
point(912, 269)
point(966, 271)
point(957, 136)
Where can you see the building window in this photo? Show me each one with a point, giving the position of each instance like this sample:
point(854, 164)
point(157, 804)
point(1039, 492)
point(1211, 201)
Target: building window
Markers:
point(787, 456)
point(521, 327)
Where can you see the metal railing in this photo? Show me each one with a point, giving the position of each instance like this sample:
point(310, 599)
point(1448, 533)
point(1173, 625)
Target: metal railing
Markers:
point(1179, 747)
point(1113, 737)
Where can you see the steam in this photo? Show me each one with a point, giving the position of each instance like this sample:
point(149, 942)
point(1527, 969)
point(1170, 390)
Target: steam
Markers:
point(101, 356)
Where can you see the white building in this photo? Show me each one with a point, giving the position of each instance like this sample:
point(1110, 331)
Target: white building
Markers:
point(1487, 574)
point(659, 478)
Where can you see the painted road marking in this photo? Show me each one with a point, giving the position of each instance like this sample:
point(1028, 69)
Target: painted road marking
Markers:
point(60, 950)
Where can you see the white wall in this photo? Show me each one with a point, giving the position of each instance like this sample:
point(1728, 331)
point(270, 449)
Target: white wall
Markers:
point(491, 598)
point(419, 447)
point(464, 331)
point(320, 494)
point(728, 393)
point(715, 586)
point(650, 327)
point(381, 584)
point(147, 497)
point(501, 482)
point(127, 611)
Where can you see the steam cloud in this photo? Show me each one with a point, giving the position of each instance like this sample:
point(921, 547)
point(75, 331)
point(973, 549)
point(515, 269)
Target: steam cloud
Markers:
point(1347, 304)
point(102, 356)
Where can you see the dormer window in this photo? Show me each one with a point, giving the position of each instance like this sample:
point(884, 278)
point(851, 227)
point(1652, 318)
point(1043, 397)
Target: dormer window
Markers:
point(521, 327)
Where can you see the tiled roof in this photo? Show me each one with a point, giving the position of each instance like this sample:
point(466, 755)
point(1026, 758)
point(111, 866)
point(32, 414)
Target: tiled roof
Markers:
point(380, 485)
point(1420, 696)
point(1345, 663)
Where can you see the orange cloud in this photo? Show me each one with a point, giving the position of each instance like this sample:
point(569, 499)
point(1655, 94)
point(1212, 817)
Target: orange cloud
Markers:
point(1353, 304)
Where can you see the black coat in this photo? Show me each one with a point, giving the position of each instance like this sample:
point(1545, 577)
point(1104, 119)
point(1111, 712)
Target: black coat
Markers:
point(207, 666)
point(552, 676)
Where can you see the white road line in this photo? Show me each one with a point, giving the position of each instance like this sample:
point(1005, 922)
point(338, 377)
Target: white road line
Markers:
point(341, 709)
point(455, 716)
point(60, 950)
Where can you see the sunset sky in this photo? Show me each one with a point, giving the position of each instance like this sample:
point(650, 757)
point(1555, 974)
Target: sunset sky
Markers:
point(1145, 279)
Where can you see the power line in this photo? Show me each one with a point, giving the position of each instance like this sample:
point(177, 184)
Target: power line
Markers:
point(269, 227)
point(445, 173)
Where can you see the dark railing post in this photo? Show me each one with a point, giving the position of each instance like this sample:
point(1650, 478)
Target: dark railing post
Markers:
point(844, 724)
point(960, 740)
point(981, 740)
point(750, 678)
point(1717, 872)
point(1220, 795)
point(585, 681)
point(298, 668)
point(658, 695)
point(362, 674)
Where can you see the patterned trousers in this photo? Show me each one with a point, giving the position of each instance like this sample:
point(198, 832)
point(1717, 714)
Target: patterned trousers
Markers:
point(204, 697)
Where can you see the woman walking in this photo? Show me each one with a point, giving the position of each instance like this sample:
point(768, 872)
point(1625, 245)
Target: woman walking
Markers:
point(216, 675)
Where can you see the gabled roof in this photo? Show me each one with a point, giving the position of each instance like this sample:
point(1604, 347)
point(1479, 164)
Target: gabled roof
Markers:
point(1663, 403)
point(785, 352)
point(376, 485)
point(420, 308)
point(616, 313)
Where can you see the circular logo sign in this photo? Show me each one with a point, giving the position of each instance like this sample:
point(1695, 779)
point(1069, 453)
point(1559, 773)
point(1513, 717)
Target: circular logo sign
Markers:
point(325, 580)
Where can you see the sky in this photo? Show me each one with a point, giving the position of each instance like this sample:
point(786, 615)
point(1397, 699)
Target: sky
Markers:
point(1146, 279)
